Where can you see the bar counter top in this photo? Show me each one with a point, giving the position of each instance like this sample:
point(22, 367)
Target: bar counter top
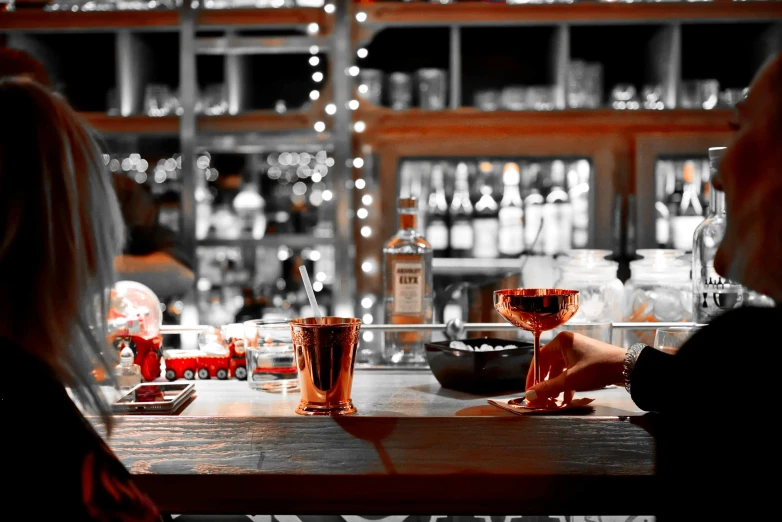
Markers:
point(412, 448)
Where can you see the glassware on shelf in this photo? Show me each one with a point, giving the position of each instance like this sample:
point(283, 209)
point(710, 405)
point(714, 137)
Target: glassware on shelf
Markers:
point(158, 100)
point(728, 98)
point(213, 100)
point(576, 87)
point(652, 97)
point(624, 96)
point(659, 290)
point(432, 89)
point(540, 98)
point(371, 86)
point(400, 91)
point(699, 94)
point(487, 100)
point(514, 98)
point(585, 85)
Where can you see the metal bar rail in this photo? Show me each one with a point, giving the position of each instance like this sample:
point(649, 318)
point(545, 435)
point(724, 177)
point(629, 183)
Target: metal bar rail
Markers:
point(468, 327)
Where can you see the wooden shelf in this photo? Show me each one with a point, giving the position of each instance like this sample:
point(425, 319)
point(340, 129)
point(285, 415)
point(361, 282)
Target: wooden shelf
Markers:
point(40, 20)
point(256, 121)
point(290, 240)
point(283, 17)
point(104, 123)
point(469, 120)
point(479, 13)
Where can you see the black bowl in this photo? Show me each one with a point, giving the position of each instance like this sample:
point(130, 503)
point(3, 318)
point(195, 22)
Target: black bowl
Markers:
point(480, 372)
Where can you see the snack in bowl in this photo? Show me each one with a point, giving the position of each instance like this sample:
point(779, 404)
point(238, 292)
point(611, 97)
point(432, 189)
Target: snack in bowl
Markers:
point(482, 366)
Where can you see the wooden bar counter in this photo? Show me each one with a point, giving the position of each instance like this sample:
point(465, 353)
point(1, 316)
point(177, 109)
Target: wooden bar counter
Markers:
point(412, 448)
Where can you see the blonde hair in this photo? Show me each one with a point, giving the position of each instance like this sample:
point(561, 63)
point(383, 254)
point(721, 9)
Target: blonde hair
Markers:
point(62, 228)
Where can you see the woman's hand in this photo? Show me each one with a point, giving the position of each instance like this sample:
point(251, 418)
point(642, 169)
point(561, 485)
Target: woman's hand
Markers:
point(572, 362)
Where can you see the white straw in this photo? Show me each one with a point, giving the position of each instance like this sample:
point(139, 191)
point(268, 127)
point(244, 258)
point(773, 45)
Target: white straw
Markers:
point(310, 293)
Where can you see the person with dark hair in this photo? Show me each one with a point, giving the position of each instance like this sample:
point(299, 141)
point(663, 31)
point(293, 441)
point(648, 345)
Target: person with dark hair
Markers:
point(152, 254)
point(62, 229)
point(713, 398)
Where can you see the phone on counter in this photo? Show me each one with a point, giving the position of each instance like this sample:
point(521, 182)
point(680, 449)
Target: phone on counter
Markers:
point(154, 397)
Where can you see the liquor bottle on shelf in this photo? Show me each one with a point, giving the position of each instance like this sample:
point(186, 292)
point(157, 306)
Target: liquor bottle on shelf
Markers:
point(557, 213)
point(689, 214)
point(408, 285)
point(712, 294)
point(437, 215)
point(578, 191)
point(511, 214)
point(533, 211)
point(486, 223)
point(461, 238)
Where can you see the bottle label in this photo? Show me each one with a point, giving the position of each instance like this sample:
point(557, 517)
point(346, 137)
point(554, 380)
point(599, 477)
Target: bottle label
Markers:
point(486, 237)
point(408, 287)
point(437, 235)
point(462, 236)
point(683, 231)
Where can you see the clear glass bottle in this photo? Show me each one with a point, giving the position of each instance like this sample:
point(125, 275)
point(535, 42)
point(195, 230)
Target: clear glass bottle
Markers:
point(437, 215)
point(659, 290)
point(511, 215)
point(533, 210)
point(557, 213)
point(127, 373)
point(712, 293)
point(461, 238)
point(486, 221)
point(408, 284)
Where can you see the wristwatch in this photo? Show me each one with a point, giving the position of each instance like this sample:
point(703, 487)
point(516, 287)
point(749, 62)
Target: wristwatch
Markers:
point(630, 357)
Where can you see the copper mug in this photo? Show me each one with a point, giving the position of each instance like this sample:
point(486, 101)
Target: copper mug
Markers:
point(325, 356)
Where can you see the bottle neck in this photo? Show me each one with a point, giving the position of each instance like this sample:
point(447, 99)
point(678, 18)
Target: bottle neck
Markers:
point(716, 201)
point(511, 195)
point(408, 220)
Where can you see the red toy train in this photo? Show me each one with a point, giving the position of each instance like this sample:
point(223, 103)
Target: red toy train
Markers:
point(186, 364)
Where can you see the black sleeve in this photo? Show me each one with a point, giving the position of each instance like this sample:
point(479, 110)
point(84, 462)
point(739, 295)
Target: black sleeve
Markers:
point(717, 357)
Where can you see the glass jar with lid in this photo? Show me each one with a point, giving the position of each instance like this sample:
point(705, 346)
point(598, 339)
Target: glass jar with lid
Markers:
point(600, 290)
point(659, 290)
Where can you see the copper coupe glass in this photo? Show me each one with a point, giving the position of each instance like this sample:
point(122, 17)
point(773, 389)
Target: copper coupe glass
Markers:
point(536, 310)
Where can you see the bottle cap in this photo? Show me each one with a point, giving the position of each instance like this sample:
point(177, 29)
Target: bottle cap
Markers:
point(407, 203)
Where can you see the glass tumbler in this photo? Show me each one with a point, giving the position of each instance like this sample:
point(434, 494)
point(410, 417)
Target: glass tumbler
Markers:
point(271, 362)
point(669, 340)
point(400, 91)
point(432, 88)
point(371, 86)
point(325, 355)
